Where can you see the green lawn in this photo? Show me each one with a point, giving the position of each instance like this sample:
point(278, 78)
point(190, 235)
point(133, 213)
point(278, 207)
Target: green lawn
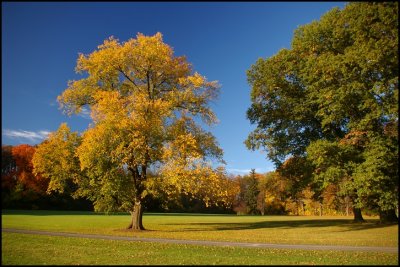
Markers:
point(35, 249)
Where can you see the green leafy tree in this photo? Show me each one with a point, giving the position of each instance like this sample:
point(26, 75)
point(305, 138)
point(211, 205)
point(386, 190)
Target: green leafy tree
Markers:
point(340, 77)
point(335, 163)
point(143, 102)
point(377, 177)
point(262, 195)
point(297, 171)
point(251, 192)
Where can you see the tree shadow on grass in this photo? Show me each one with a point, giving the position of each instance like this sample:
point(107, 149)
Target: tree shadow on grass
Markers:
point(78, 212)
point(58, 212)
point(347, 225)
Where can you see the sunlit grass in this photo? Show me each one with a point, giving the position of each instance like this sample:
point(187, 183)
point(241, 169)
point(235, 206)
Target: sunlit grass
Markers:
point(260, 229)
point(26, 249)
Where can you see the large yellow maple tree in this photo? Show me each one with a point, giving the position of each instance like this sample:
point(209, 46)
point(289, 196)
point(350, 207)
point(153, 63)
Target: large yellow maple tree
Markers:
point(145, 103)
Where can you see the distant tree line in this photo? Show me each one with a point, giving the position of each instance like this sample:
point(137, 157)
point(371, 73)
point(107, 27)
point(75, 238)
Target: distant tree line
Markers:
point(277, 193)
point(22, 189)
point(273, 193)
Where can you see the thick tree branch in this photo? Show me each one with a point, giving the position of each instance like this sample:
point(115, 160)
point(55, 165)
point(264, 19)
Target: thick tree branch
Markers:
point(127, 77)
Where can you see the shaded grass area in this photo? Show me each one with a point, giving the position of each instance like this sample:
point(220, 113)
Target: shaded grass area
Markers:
point(289, 224)
point(26, 249)
point(338, 230)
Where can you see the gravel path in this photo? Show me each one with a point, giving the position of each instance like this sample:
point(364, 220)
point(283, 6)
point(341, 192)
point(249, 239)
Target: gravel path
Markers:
point(207, 243)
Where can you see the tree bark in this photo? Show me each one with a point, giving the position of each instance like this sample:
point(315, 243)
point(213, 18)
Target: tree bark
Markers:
point(357, 215)
point(388, 216)
point(137, 213)
point(137, 216)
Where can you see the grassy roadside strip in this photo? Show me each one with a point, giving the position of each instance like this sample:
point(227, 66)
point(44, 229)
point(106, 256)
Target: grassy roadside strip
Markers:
point(21, 249)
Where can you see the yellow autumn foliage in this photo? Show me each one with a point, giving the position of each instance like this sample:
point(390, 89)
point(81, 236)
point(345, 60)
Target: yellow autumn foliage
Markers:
point(143, 103)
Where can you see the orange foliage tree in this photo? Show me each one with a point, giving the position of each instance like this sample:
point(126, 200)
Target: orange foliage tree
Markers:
point(22, 155)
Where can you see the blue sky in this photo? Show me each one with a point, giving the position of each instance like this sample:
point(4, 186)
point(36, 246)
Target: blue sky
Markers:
point(41, 42)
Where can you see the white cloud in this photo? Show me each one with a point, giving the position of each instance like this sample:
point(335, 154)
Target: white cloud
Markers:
point(85, 113)
point(53, 103)
point(27, 135)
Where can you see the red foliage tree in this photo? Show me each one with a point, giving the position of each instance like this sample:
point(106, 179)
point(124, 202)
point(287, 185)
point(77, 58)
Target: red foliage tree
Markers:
point(22, 155)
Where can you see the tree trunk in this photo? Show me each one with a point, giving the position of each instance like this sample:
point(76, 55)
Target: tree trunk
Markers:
point(357, 215)
point(388, 216)
point(137, 215)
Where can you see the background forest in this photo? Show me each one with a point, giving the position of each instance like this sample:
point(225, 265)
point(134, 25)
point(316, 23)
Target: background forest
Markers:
point(272, 193)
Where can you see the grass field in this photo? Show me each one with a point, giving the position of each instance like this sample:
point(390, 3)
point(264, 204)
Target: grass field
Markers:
point(34, 249)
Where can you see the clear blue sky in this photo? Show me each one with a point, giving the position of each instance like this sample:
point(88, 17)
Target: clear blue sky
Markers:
point(41, 42)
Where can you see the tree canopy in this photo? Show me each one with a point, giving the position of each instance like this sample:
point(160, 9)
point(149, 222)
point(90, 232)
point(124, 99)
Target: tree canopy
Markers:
point(145, 103)
point(332, 98)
